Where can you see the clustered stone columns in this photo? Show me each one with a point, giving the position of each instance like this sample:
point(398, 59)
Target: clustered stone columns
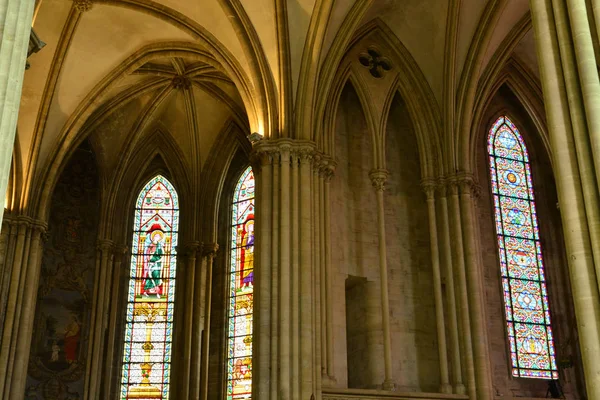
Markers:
point(15, 28)
point(291, 356)
point(378, 179)
point(463, 347)
point(21, 258)
point(198, 259)
point(571, 87)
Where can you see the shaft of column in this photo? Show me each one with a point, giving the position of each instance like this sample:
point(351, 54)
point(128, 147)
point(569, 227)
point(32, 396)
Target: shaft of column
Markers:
point(188, 320)
point(458, 386)
point(284, 276)
point(262, 275)
point(306, 301)
point(104, 247)
point(581, 266)
point(295, 282)
point(17, 387)
point(463, 308)
point(15, 28)
point(210, 252)
point(476, 295)
point(378, 179)
point(588, 74)
point(275, 265)
point(328, 272)
point(198, 327)
point(112, 363)
point(10, 328)
point(445, 387)
point(580, 129)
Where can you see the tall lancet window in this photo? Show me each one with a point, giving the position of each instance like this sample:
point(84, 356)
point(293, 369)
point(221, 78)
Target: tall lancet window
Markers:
point(149, 322)
point(523, 278)
point(241, 290)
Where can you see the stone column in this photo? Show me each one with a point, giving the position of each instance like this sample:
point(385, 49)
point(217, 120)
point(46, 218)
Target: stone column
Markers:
point(576, 224)
point(476, 293)
point(286, 349)
point(327, 345)
point(378, 179)
point(189, 373)
point(429, 189)
point(112, 364)
point(458, 259)
point(15, 27)
point(101, 303)
point(29, 298)
point(459, 387)
point(209, 253)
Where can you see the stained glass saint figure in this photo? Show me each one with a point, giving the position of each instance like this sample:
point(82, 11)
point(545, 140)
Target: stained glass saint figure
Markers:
point(241, 291)
point(149, 321)
point(526, 307)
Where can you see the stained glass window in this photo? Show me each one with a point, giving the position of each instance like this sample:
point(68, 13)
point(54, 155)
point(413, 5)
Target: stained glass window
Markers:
point(523, 279)
point(241, 289)
point(151, 292)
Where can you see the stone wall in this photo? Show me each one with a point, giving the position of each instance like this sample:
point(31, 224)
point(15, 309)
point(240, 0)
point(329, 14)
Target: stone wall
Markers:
point(359, 342)
point(62, 321)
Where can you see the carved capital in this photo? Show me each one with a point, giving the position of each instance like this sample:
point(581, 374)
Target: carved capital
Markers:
point(429, 187)
point(379, 178)
point(210, 249)
point(105, 245)
point(468, 185)
point(83, 5)
point(190, 249)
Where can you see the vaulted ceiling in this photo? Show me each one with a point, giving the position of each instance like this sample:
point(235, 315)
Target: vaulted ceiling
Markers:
point(113, 70)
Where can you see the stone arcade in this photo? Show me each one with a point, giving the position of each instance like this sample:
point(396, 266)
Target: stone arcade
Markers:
point(300, 199)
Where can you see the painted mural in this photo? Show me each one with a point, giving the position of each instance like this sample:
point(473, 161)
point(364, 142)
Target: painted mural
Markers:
point(58, 348)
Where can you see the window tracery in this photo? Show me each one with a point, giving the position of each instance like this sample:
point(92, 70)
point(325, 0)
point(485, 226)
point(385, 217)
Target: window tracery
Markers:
point(526, 307)
point(151, 293)
point(241, 290)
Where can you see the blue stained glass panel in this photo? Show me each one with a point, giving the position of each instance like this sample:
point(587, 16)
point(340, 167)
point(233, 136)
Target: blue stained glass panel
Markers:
point(521, 264)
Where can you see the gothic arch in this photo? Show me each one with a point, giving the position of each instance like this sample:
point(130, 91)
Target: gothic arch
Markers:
point(134, 174)
point(214, 175)
point(73, 131)
point(409, 81)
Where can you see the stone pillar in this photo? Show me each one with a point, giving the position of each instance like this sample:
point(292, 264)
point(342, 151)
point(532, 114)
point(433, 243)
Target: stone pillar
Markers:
point(327, 346)
point(15, 28)
point(378, 179)
point(476, 293)
point(27, 312)
point(190, 376)
point(429, 189)
point(101, 304)
point(209, 251)
point(458, 260)
point(112, 364)
point(457, 383)
point(286, 349)
point(572, 174)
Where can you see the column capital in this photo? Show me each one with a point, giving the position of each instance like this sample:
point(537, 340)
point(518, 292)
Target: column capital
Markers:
point(378, 178)
point(268, 151)
point(105, 245)
point(468, 185)
point(190, 249)
point(210, 249)
point(429, 186)
point(82, 5)
point(327, 167)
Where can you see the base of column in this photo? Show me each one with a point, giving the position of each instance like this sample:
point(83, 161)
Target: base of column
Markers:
point(389, 385)
point(446, 388)
point(328, 381)
point(460, 389)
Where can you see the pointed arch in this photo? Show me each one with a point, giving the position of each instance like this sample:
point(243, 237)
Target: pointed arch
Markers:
point(151, 293)
point(526, 306)
point(241, 290)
